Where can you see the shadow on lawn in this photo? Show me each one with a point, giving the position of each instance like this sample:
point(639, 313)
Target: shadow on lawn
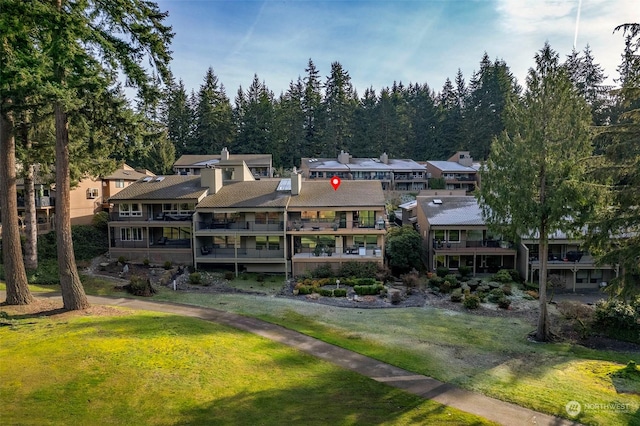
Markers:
point(331, 398)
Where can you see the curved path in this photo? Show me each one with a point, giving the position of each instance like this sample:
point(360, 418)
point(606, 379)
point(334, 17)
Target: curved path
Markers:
point(492, 409)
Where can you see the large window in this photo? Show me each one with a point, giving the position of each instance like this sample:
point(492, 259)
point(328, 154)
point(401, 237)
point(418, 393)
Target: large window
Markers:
point(454, 235)
point(178, 208)
point(133, 209)
point(131, 234)
point(367, 218)
point(268, 243)
point(119, 183)
point(439, 235)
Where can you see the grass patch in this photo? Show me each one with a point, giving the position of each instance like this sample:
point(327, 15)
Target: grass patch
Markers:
point(150, 368)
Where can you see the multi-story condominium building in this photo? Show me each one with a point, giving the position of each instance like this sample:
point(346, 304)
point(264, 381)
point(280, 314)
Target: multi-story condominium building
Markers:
point(260, 165)
point(568, 263)
point(458, 172)
point(455, 234)
point(394, 174)
point(282, 225)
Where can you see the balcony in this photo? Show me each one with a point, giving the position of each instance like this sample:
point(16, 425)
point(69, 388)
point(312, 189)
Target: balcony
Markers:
point(156, 217)
point(162, 243)
point(213, 253)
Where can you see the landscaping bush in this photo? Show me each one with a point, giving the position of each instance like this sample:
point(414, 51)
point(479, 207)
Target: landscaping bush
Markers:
point(327, 292)
point(471, 302)
point(366, 290)
point(502, 276)
point(122, 260)
point(411, 279)
point(195, 278)
point(515, 276)
point(45, 274)
point(504, 303)
point(167, 265)
point(453, 280)
point(366, 281)
point(575, 310)
point(395, 296)
point(611, 314)
point(464, 271)
point(531, 294)
point(384, 274)
point(358, 269)
point(146, 263)
point(340, 292)
point(506, 289)
point(456, 295)
point(445, 287)
point(495, 295)
point(260, 278)
point(436, 281)
point(323, 271)
point(229, 276)
point(442, 271)
point(139, 286)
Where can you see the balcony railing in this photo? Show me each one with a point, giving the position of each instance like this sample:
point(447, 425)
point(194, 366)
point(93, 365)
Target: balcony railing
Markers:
point(144, 217)
point(162, 243)
point(232, 225)
point(209, 252)
point(456, 245)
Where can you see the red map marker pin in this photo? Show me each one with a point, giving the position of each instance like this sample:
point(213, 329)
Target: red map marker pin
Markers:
point(335, 182)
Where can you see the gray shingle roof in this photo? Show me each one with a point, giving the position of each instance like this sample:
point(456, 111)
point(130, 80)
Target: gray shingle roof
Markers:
point(452, 166)
point(172, 187)
point(252, 194)
point(349, 194)
point(452, 211)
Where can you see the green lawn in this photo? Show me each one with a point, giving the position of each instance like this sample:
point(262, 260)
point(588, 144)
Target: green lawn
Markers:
point(488, 355)
point(157, 369)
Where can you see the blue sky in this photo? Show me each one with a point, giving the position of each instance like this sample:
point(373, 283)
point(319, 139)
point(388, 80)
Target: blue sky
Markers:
point(377, 42)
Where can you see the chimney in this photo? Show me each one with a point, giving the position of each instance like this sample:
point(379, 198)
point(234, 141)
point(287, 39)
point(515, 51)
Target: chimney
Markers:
point(211, 178)
point(384, 158)
point(343, 157)
point(296, 183)
point(224, 155)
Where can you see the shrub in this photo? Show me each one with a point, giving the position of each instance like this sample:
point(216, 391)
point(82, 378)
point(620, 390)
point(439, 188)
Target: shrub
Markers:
point(456, 296)
point(495, 295)
point(395, 297)
point(504, 303)
point(411, 279)
point(502, 276)
point(167, 265)
point(45, 274)
point(515, 275)
point(445, 287)
point(366, 281)
point(340, 292)
point(138, 286)
point(575, 310)
point(436, 281)
point(464, 270)
point(384, 274)
point(532, 294)
point(195, 278)
point(365, 290)
point(122, 260)
point(471, 302)
point(323, 271)
point(358, 269)
point(442, 271)
point(615, 314)
point(229, 276)
point(506, 289)
point(305, 289)
point(145, 262)
point(327, 292)
point(453, 280)
point(260, 278)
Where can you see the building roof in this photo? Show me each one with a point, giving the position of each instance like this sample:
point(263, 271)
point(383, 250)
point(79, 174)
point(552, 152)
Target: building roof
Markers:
point(452, 166)
point(204, 160)
point(251, 194)
point(172, 187)
point(351, 193)
point(362, 164)
point(125, 174)
point(452, 210)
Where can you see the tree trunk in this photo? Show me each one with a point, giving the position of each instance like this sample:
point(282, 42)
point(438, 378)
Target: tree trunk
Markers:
point(18, 292)
point(31, 228)
point(542, 332)
point(73, 295)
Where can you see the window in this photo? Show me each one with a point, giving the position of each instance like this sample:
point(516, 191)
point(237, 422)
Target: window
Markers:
point(119, 183)
point(178, 209)
point(92, 193)
point(268, 243)
point(438, 235)
point(454, 262)
point(454, 235)
point(131, 234)
point(367, 218)
point(133, 209)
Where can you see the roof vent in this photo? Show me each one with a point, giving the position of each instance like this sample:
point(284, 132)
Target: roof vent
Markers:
point(437, 201)
point(159, 178)
point(147, 179)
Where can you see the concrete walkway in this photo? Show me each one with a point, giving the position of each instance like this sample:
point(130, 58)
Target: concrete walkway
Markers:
point(426, 387)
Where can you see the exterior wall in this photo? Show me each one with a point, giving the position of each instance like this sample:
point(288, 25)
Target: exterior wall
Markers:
point(83, 204)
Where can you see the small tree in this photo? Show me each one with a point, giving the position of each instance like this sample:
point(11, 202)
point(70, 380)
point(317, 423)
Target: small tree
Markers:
point(404, 249)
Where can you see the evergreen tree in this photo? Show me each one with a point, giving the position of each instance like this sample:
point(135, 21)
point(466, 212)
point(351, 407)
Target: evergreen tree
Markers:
point(311, 105)
point(537, 179)
point(255, 113)
point(365, 140)
point(615, 234)
point(213, 118)
point(338, 109)
point(179, 118)
point(423, 115)
point(588, 77)
point(290, 126)
point(449, 122)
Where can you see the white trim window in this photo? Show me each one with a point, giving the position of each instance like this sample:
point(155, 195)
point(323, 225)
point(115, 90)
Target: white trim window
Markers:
point(119, 183)
point(131, 234)
point(92, 193)
point(453, 235)
point(132, 209)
